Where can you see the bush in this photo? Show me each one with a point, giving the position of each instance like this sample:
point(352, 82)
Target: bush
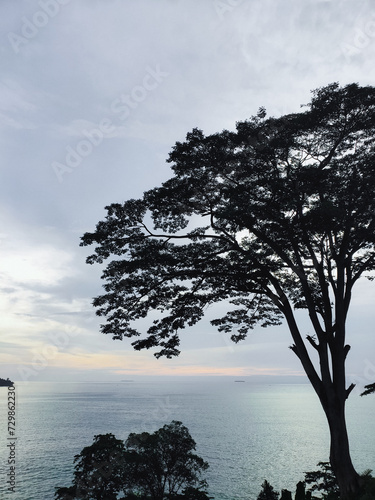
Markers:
point(323, 482)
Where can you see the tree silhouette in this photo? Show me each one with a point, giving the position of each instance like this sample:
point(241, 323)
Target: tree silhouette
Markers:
point(164, 462)
point(300, 491)
point(286, 495)
point(148, 466)
point(323, 481)
point(99, 471)
point(267, 492)
point(274, 217)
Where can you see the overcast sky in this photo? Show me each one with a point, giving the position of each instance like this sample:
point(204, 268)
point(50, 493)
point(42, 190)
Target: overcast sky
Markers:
point(93, 95)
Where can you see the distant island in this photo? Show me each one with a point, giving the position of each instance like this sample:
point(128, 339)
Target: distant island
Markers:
point(5, 383)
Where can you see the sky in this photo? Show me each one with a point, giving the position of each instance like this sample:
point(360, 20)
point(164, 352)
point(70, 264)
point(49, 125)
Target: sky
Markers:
point(93, 96)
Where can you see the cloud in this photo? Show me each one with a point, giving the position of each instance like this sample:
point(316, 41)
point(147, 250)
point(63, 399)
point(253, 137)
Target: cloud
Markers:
point(213, 67)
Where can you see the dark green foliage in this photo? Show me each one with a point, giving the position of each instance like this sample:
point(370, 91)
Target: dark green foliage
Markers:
point(99, 470)
point(323, 481)
point(275, 216)
point(286, 495)
point(267, 492)
point(299, 189)
point(154, 466)
point(300, 491)
point(69, 493)
point(189, 493)
point(370, 389)
point(368, 487)
point(164, 461)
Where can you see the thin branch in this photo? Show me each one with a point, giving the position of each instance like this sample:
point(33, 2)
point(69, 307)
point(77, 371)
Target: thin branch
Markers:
point(312, 342)
point(346, 350)
point(349, 390)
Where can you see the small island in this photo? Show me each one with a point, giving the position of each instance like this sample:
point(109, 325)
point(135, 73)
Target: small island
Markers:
point(5, 383)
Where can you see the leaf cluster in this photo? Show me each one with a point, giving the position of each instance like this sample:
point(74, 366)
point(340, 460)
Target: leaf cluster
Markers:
point(369, 389)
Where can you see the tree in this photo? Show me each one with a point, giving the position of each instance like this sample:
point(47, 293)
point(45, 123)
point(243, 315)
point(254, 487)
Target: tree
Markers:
point(286, 495)
point(164, 463)
point(323, 481)
point(99, 471)
point(148, 466)
point(300, 491)
point(271, 218)
point(267, 492)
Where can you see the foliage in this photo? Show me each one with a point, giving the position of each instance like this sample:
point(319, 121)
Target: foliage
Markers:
point(164, 461)
point(323, 481)
point(300, 491)
point(370, 389)
point(368, 486)
point(66, 493)
point(286, 495)
point(276, 216)
point(267, 492)
point(99, 470)
point(282, 201)
point(154, 466)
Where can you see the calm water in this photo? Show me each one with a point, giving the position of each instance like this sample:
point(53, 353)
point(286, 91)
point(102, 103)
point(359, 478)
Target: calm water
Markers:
point(246, 432)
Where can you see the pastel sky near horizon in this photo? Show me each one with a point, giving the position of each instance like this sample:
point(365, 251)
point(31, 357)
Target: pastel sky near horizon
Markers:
point(93, 95)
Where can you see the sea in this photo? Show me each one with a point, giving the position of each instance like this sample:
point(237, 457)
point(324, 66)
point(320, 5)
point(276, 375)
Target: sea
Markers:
point(246, 431)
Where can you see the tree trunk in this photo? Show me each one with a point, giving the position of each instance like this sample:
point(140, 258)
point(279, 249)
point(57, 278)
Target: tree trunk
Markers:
point(348, 479)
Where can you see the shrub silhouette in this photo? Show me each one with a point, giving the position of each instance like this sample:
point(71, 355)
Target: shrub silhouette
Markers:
point(267, 492)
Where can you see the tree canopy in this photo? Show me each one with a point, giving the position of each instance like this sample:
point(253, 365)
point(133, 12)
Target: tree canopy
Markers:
point(286, 204)
point(267, 492)
point(275, 216)
point(163, 462)
point(99, 471)
point(148, 466)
